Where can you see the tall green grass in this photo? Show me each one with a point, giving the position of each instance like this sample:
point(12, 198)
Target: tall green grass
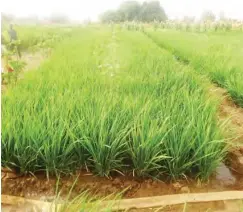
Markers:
point(217, 55)
point(115, 103)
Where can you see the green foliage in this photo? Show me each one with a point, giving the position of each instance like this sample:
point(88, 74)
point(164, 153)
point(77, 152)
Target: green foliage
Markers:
point(152, 11)
point(133, 11)
point(85, 202)
point(129, 10)
point(31, 38)
point(3, 40)
point(111, 16)
point(16, 65)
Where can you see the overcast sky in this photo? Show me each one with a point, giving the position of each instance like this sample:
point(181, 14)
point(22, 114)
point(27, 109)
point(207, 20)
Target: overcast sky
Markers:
point(83, 9)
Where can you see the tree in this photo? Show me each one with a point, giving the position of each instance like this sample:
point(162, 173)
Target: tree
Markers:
point(152, 11)
point(133, 11)
point(208, 15)
point(129, 10)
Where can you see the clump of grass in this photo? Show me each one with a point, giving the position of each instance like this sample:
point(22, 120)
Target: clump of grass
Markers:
point(235, 87)
point(84, 201)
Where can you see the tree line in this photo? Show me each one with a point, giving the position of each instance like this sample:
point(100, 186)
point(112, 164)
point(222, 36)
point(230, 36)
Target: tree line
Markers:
point(134, 11)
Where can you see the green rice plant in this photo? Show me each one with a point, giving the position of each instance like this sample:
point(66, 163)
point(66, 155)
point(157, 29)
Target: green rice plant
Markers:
point(105, 138)
point(235, 87)
point(146, 144)
point(82, 202)
point(85, 202)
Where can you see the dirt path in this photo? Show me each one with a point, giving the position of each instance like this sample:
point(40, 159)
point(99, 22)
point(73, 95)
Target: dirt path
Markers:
point(33, 60)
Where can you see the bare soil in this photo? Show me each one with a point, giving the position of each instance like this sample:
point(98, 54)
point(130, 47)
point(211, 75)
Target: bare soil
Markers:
point(233, 114)
point(39, 187)
point(229, 111)
point(34, 60)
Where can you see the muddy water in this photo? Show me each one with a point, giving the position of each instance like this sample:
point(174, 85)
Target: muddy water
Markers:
point(224, 176)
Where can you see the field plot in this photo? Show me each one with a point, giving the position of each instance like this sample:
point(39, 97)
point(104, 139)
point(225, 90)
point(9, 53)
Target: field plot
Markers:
point(116, 103)
point(114, 107)
point(215, 54)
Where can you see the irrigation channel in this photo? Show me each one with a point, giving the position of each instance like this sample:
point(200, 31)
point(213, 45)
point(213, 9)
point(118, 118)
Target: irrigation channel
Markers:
point(228, 177)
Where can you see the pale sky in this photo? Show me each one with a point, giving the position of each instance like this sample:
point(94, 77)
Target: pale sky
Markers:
point(80, 9)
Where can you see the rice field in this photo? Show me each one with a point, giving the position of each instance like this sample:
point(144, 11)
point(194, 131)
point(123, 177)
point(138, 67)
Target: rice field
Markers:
point(218, 55)
point(116, 101)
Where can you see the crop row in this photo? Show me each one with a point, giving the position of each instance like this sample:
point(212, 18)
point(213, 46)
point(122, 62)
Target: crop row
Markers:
point(217, 56)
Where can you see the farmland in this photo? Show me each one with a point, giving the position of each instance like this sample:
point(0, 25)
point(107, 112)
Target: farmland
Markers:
point(213, 54)
point(114, 102)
